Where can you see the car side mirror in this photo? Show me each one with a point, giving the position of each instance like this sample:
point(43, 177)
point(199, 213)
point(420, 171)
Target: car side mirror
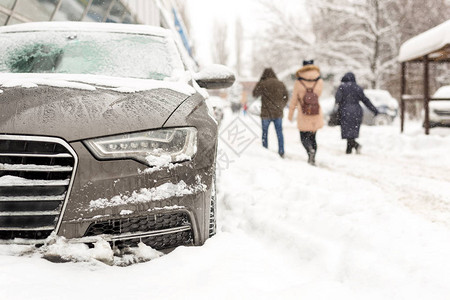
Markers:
point(215, 77)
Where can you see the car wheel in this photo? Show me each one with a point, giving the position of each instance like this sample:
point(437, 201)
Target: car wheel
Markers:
point(213, 208)
point(382, 119)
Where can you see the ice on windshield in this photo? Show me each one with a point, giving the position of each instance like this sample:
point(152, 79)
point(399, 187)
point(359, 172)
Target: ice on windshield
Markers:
point(95, 53)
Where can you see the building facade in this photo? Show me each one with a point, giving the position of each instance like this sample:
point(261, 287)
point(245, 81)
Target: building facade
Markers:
point(149, 12)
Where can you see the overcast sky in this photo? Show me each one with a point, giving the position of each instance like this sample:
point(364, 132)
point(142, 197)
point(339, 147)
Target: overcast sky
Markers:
point(204, 12)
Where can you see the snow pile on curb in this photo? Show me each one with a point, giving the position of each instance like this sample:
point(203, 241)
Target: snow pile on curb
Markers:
point(370, 226)
point(59, 250)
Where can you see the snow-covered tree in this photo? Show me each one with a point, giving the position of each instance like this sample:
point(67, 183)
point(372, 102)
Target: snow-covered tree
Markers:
point(284, 40)
point(220, 50)
point(363, 36)
point(358, 35)
point(235, 93)
point(416, 17)
point(239, 36)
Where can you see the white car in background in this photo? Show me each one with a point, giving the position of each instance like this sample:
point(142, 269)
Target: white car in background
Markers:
point(440, 110)
point(386, 104)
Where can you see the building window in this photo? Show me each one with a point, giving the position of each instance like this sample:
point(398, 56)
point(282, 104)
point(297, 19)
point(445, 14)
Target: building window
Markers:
point(36, 10)
point(98, 10)
point(128, 18)
point(3, 19)
point(19, 11)
point(116, 13)
point(7, 3)
point(71, 10)
point(13, 21)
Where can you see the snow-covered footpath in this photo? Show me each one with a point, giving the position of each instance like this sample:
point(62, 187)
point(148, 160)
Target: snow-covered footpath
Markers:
point(373, 226)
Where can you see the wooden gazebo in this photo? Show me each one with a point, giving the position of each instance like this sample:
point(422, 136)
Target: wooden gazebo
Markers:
point(432, 46)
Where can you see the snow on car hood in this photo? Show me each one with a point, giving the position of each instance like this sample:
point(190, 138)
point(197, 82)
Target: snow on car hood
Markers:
point(76, 114)
point(93, 82)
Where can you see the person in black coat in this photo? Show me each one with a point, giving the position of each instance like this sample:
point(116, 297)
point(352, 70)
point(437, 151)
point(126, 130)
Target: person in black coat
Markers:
point(350, 111)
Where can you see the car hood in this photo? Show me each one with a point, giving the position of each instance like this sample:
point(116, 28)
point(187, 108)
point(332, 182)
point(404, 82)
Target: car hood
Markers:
point(80, 114)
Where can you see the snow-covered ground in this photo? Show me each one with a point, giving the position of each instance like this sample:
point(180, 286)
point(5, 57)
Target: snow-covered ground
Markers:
point(369, 226)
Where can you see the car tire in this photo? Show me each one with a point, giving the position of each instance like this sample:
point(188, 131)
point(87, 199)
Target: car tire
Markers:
point(382, 120)
point(213, 208)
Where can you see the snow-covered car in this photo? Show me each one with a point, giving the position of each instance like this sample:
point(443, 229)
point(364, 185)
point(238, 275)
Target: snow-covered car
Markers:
point(386, 104)
point(104, 133)
point(440, 109)
point(327, 106)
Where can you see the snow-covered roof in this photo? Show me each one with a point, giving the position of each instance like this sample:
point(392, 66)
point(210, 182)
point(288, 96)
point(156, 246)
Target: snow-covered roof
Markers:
point(86, 26)
point(425, 43)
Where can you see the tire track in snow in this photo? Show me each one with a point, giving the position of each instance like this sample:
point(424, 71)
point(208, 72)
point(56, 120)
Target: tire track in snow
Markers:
point(423, 190)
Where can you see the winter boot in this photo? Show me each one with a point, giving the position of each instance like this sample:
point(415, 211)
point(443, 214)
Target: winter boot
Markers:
point(358, 148)
point(312, 157)
point(349, 148)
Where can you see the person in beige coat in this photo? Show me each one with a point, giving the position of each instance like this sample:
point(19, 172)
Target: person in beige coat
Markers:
point(307, 77)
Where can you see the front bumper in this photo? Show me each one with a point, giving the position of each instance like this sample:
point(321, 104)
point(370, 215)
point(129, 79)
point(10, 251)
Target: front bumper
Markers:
point(125, 202)
point(123, 190)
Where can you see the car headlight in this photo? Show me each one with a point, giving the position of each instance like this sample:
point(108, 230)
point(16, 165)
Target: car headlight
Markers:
point(148, 147)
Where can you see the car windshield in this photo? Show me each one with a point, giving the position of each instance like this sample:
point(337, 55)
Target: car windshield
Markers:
point(96, 53)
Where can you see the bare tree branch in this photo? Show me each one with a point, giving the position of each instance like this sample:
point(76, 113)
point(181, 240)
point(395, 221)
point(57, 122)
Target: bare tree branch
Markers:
point(220, 51)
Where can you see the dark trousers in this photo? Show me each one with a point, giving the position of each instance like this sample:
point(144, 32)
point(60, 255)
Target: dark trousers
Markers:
point(278, 128)
point(308, 139)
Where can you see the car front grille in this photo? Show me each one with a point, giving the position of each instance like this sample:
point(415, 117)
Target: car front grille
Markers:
point(35, 176)
point(159, 231)
point(159, 242)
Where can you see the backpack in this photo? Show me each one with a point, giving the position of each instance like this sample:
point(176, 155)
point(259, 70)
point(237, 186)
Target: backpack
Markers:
point(310, 104)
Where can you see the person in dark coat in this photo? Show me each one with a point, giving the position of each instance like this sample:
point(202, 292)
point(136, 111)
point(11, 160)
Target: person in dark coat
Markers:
point(274, 97)
point(348, 96)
